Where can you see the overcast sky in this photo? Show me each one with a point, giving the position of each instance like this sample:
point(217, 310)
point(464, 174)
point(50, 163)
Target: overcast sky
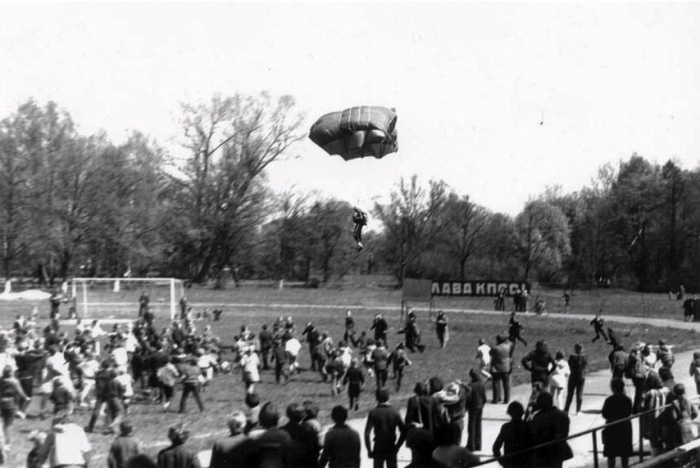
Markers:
point(471, 82)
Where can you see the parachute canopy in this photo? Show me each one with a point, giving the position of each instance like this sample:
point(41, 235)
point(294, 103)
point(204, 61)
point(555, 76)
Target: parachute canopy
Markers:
point(357, 132)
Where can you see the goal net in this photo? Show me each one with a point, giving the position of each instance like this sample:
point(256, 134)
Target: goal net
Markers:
point(99, 298)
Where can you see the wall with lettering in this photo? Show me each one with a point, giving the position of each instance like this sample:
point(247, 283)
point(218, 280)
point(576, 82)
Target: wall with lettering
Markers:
point(477, 288)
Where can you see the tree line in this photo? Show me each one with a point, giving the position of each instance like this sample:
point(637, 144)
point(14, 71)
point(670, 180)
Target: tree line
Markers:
point(77, 205)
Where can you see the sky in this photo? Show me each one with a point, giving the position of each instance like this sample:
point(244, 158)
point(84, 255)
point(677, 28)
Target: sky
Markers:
point(499, 100)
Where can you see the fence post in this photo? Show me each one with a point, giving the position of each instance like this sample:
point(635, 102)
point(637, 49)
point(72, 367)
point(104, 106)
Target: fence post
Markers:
point(595, 449)
point(641, 439)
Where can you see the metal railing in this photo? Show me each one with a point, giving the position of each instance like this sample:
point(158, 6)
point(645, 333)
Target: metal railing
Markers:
point(594, 433)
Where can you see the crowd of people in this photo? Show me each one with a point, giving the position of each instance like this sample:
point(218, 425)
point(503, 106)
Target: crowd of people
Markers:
point(81, 372)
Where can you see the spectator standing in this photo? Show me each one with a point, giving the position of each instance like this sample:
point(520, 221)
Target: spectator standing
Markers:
point(449, 454)
point(695, 370)
point(270, 442)
point(124, 447)
point(475, 407)
point(678, 419)
point(237, 450)
point(501, 368)
point(665, 355)
point(540, 363)
point(421, 442)
point(65, 446)
point(177, 455)
point(577, 378)
point(441, 328)
point(303, 448)
point(384, 421)
point(514, 436)
point(617, 439)
point(341, 446)
point(550, 424)
point(635, 371)
point(421, 410)
point(558, 379)
point(654, 399)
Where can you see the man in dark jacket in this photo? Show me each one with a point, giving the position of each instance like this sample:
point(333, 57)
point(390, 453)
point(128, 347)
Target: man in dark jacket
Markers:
point(380, 328)
point(303, 448)
point(341, 446)
point(380, 357)
point(190, 384)
point(577, 378)
point(540, 363)
point(384, 421)
point(103, 377)
point(501, 368)
point(123, 448)
point(265, 338)
point(177, 455)
point(237, 450)
point(475, 406)
point(550, 424)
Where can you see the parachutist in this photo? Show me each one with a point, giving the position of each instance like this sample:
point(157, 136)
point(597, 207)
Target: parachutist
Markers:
point(359, 217)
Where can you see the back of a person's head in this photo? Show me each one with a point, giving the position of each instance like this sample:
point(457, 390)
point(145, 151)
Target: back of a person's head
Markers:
point(435, 384)
point(545, 401)
point(421, 443)
point(578, 347)
point(420, 389)
point(339, 414)
point(665, 373)
point(295, 413)
point(382, 395)
point(126, 428)
point(474, 375)
point(7, 372)
point(311, 409)
point(252, 400)
point(444, 435)
point(269, 415)
point(515, 410)
point(237, 422)
point(617, 386)
point(559, 355)
point(679, 390)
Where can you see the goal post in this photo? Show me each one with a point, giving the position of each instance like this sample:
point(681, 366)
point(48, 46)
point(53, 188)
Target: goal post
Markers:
point(119, 297)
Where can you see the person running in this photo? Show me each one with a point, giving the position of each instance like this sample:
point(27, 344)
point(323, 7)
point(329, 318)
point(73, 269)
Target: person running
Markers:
point(359, 219)
point(598, 327)
point(399, 361)
point(514, 330)
point(355, 380)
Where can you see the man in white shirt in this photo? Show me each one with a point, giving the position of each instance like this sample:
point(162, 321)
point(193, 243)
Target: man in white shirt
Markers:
point(293, 346)
point(66, 445)
point(483, 358)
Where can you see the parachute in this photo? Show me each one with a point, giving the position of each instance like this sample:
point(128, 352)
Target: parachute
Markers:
point(357, 132)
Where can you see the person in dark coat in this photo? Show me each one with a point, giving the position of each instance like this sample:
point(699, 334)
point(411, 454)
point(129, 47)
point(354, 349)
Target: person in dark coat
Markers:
point(341, 445)
point(515, 328)
point(177, 455)
point(124, 447)
point(540, 363)
point(271, 441)
point(380, 327)
point(618, 362)
point(598, 327)
point(577, 378)
point(475, 407)
point(501, 368)
point(237, 450)
point(384, 422)
point(514, 436)
point(190, 384)
point(355, 380)
point(617, 439)
point(303, 448)
point(421, 409)
point(265, 338)
point(550, 424)
point(441, 329)
point(421, 444)
point(281, 358)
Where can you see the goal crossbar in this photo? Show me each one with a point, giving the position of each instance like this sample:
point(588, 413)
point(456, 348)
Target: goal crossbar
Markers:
point(83, 283)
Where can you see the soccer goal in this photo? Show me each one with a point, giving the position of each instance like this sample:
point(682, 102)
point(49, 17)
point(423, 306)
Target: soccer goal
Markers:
point(99, 298)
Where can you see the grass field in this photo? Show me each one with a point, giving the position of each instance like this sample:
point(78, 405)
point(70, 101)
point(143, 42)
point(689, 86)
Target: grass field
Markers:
point(226, 394)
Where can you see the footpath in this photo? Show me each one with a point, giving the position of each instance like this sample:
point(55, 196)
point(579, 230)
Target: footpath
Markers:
point(596, 390)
